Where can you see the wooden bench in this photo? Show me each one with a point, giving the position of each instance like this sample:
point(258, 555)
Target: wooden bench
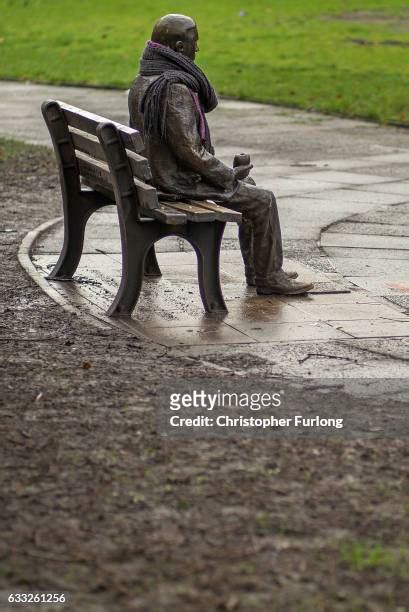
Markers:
point(100, 164)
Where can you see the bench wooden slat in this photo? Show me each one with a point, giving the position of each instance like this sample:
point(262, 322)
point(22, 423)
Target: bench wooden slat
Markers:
point(104, 189)
point(222, 213)
point(148, 197)
point(140, 166)
point(88, 122)
point(192, 212)
point(93, 169)
point(166, 215)
point(87, 143)
point(98, 171)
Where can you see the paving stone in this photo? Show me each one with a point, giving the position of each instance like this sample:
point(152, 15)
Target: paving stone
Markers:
point(329, 287)
point(294, 185)
point(366, 161)
point(236, 269)
point(185, 274)
point(330, 312)
point(113, 245)
point(302, 217)
point(51, 241)
point(396, 215)
point(370, 229)
point(176, 258)
point(103, 214)
point(393, 171)
point(231, 231)
point(100, 219)
point(100, 261)
point(365, 254)
point(274, 169)
point(290, 332)
point(401, 300)
point(246, 314)
point(373, 329)
point(350, 178)
point(331, 239)
point(398, 187)
point(353, 267)
point(104, 245)
point(186, 271)
point(383, 285)
point(102, 232)
point(340, 164)
point(117, 257)
point(355, 297)
point(154, 318)
point(199, 334)
point(355, 195)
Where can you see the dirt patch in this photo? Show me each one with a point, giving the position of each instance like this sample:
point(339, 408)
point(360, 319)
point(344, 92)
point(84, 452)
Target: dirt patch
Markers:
point(374, 43)
point(94, 503)
point(399, 23)
point(376, 17)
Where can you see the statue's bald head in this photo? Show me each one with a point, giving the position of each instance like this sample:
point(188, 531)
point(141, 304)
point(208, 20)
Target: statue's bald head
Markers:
point(177, 32)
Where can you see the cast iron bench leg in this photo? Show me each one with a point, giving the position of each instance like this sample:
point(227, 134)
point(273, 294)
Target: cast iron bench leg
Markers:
point(151, 263)
point(77, 211)
point(137, 240)
point(206, 239)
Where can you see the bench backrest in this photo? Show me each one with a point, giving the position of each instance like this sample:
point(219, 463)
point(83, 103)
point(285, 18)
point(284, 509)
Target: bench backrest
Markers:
point(74, 134)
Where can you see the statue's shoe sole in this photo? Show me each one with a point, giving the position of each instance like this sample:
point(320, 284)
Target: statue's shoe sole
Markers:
point(280, 290)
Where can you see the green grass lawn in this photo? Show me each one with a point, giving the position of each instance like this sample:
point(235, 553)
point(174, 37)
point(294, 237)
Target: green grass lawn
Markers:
point(10, 148)
point(340, 56)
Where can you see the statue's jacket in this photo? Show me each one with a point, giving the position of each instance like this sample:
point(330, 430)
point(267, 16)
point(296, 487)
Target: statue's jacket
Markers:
point(180, 164)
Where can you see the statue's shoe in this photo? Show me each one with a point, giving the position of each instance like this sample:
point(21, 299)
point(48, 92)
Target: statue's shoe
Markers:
point(284, 286)
point(251, 280)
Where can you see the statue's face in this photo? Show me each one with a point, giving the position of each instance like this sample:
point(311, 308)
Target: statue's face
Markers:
point(189, 46)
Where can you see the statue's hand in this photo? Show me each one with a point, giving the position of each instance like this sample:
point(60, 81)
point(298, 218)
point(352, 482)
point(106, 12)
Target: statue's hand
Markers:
point(240, 172)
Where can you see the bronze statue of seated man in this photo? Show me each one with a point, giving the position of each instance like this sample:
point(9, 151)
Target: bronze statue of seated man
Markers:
point(168, 102)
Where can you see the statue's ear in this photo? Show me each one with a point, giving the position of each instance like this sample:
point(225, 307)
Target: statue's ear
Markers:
point(179, 46)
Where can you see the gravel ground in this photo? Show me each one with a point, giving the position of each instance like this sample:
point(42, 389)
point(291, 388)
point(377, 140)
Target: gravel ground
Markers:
point(96, 505)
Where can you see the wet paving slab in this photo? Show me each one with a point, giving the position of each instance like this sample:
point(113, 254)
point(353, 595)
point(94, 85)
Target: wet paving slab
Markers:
point(374, 328)
point(170, 312)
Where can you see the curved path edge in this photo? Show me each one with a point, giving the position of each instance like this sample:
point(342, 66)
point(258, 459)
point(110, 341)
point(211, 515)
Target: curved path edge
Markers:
point(370, 250)
point(24, 257)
